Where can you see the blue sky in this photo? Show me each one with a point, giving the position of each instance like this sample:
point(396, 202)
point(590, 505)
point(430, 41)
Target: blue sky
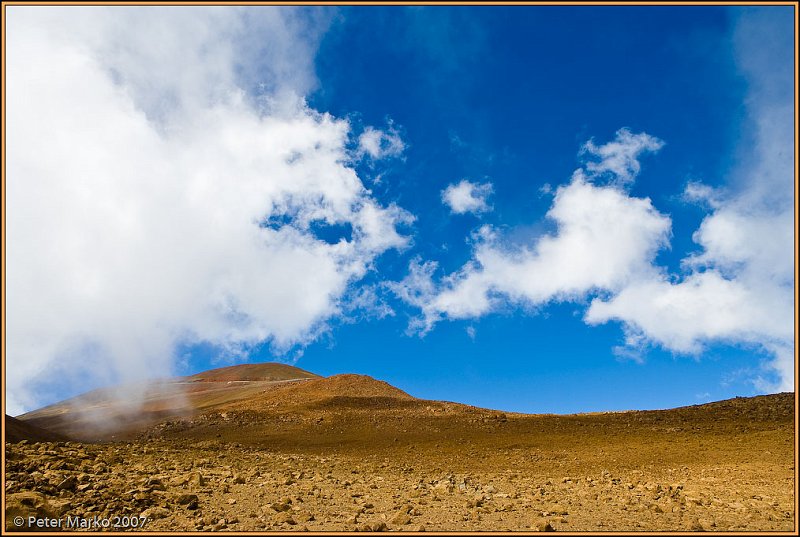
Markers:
point(659, 274)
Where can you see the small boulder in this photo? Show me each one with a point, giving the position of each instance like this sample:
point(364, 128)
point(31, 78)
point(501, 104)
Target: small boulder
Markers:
point(155, 513)
point(284, 518)
point(196, 479)
point(281, 506)
point(189, 500)
point(400, 519)
point(70, 483)
point(545, 526)
point(179, 481)
point(156, 484)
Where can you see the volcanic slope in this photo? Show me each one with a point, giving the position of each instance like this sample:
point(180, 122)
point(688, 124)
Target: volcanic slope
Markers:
point(349, 452)
point(117, 413)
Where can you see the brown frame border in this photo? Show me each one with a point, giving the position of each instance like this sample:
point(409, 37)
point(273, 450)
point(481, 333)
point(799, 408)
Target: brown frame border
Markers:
point(796, 5)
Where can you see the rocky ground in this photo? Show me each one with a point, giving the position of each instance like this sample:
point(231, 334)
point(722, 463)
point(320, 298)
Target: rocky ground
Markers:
point(295, 460)
point(232, 487)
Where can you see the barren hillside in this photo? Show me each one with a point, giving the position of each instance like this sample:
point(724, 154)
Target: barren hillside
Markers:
point(251, 450)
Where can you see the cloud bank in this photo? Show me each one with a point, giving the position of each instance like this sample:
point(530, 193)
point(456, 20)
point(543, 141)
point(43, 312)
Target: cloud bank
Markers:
point(166, 184)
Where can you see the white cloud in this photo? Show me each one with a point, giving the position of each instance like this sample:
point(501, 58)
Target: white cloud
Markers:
point(380, 144)
point(155, 201)
point(740, 286)
point(697, 192)
point(620, 157)
point(418, 289)
point(604, 239)
point(467, 197)
point(705, 306)
point(365, 303)
point(737, 290)
point(753, 246)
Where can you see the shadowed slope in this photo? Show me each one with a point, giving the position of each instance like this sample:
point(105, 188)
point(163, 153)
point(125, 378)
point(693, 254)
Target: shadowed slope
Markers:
point(17, 431)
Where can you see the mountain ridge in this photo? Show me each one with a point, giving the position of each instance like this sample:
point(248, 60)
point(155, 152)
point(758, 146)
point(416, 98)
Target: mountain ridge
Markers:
point(274, 393)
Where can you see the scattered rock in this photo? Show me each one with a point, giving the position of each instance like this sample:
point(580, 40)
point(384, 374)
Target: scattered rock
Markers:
point(281, 506)
point(376, 491)
point(400, 519)
point(284, 518)
point(191, 501)
point(179, 481)
point(154, 513)
point(156, 484)
point(196, 479)
point(70, 483)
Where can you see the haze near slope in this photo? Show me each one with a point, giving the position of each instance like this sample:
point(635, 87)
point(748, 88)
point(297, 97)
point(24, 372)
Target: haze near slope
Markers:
point(116, 412)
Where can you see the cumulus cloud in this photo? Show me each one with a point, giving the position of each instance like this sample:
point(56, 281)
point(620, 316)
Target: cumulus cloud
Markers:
point(166, 183)
point(619, 158)
point(604, 239)
point(378, 144)
point(740, 286)
point(467, 197)
point(697, 192)
point(704, 306)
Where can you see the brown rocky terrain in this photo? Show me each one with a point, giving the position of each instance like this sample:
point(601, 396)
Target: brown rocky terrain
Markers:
point(352, 453)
